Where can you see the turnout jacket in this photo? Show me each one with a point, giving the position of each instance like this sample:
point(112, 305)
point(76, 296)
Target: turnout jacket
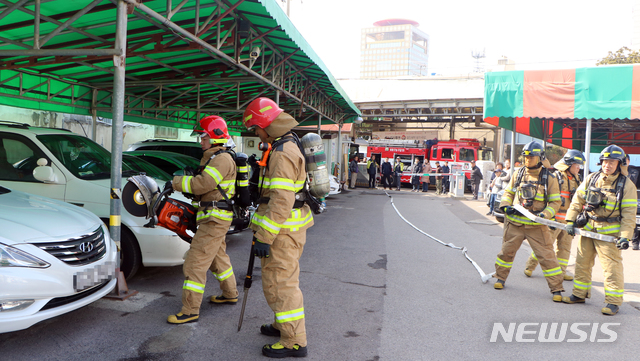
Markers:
point(284, 175)
point(221, 170)
point(568, 186)
point(626, 209)
point(548, 205)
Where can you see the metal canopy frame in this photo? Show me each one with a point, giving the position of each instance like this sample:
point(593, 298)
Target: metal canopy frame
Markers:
point(182, 59)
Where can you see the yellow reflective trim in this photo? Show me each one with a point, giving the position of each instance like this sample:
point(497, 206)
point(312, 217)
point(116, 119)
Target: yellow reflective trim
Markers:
point(552, 272)
point(186, 184)
point(502, 263)
point(289, 316)
point(193, 286)
point(224, 275)
point(614, 293)
point(268, 107)
point(533, 255)
point(214, 173)
point(266, 223)
point(248, 117)
point(581, 285)
point(114, 220)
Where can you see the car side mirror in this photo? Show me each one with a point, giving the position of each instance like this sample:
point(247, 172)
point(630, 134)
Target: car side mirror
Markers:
point(44, 173)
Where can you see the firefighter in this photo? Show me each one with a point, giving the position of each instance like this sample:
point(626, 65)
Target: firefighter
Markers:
point(398, 168)
point(605, 203)
point(208, 247)
point(280, 224)
point(568, 175)
point(537, 190)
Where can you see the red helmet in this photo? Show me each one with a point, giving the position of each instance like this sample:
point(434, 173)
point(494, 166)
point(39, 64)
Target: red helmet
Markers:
point(260, 113)
point(215, 127)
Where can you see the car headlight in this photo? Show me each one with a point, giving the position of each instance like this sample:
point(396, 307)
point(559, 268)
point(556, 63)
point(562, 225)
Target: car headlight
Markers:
point(15, 305)
point(13, 257)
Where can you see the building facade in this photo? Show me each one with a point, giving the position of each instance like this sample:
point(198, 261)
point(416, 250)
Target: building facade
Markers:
point(393, 47)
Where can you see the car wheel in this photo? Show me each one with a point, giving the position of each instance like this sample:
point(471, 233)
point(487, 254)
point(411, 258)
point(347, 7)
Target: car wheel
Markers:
point(130, 257)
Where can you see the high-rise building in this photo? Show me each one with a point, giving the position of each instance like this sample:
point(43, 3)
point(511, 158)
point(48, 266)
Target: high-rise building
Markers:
point(393, 47)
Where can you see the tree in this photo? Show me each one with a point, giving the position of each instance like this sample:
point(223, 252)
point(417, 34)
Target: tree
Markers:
point(624, 55)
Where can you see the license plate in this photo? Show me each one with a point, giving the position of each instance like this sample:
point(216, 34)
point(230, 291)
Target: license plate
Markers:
point(94, 276)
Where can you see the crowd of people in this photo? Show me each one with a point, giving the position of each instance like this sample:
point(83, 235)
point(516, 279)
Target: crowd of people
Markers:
point(388, 175)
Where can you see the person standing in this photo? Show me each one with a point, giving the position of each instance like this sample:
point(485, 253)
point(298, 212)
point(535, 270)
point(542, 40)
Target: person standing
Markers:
point(438, 179)
point(568, 175)
point(426, 169)
point(280, 226)
point(208, 248)
point(372, 168)
point(476, 178)
point(387, 171)
point(496, 186)
point(353, 169)
point(415, 178)
point(398, 168)
point(537, 190)
point(445, 179)
point(605, 203)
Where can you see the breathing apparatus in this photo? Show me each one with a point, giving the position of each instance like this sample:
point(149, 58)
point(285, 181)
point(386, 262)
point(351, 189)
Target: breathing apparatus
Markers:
point(593, 198)
point(528, 193)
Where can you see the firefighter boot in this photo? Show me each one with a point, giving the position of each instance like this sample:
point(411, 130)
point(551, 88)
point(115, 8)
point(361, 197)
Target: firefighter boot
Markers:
point(636, 244)
point(567, 277)
point(528, 272)
point(221, 300)
point(269, 330)
point(610, 309)
point(572, 299)
point(498, 285)
point(557, 296)
point(278, 351)
point(181, 318)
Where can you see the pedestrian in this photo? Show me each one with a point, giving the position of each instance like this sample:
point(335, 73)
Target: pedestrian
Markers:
point(567, 171)
point(387, 171)
point(372, 168)
point(438, 178)
point(426, 169)
point(415, 178)
point(398, 168)
point(604, 203)
point(491, 183)
point(537, 190)
point(445, 178)
point(208, 248)
point(280, 226)
point(496, 186)
point(353, 170)
point(476, 177)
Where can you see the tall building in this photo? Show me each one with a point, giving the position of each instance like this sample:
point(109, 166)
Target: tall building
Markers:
point(393, 47)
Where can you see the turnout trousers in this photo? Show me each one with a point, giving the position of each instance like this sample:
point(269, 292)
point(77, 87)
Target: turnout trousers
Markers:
point(207, 252)
point(611, 262)
point(280, 283)
point(540, 240)
point(563, 250)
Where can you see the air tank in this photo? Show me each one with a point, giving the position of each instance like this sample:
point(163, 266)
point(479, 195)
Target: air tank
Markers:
point(316, 165)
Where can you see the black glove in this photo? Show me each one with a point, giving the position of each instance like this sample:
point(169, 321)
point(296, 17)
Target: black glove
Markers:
point(541, 214)
point(622, 243)
point(260, 249)
point(509, 210)
point(168, 185)
point(571, 230)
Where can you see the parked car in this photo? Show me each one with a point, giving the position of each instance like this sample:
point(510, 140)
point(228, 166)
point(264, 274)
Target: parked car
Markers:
point(334, 185)
point(192, 149)
point(167, 161)
point(77, 170)
point(54, 258)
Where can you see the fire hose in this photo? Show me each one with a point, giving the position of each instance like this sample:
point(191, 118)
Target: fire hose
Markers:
point(483, 276)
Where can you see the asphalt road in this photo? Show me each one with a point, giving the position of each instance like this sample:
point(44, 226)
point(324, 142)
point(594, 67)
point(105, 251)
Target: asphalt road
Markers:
point(374, 288)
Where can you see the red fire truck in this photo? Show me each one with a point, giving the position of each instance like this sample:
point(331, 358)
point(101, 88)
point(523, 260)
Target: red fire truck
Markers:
point(459, 153)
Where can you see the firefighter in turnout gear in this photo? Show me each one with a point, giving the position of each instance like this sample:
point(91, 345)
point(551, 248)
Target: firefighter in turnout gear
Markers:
point(537, 190)
point(606, 203)
point(280, 224)
point(568, 175)
point(208, 247)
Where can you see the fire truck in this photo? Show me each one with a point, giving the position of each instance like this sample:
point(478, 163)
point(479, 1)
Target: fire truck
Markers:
point(458, 152)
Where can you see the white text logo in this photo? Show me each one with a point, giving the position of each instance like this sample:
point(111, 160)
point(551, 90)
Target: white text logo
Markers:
point(554, 332)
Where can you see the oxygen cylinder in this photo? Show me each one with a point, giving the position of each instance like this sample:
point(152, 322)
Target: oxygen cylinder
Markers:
point(316, 165)
point(242, 180)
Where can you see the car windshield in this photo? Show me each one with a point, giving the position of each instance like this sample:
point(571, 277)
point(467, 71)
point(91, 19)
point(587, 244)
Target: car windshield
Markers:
point(88, 160)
